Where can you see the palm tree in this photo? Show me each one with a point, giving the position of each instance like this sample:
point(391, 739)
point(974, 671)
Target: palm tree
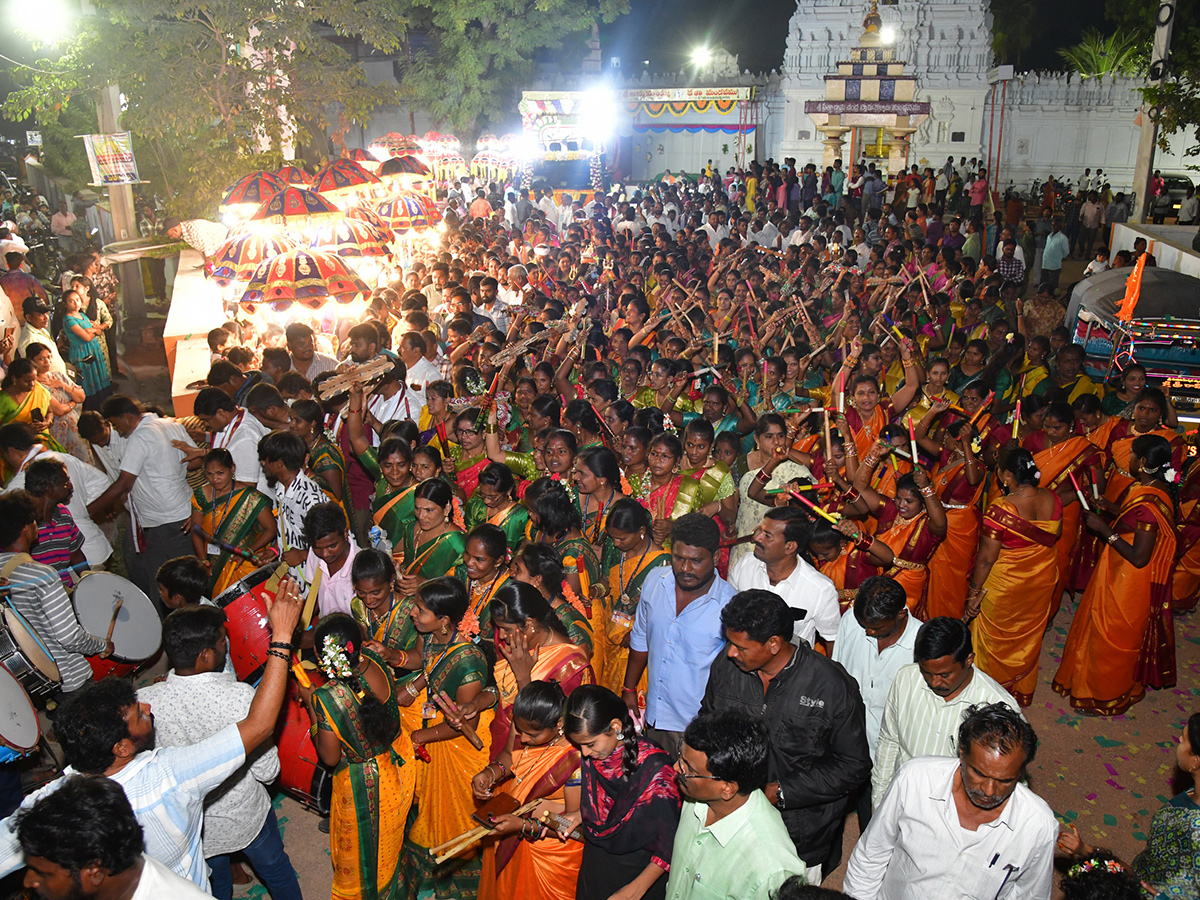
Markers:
point(1013, 23)
point(1097, 54)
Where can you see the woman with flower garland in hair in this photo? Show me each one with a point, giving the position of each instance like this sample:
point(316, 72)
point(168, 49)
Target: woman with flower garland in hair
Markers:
point(1100, 877)
point(452, 668)
point(1011, 591)
point(484, 572)
point(629, 529)
point(558, 524)
point(356, 730)
point(531, 645)
point(1123, 636)
point(528, 859)
point(386, 618)
point(598, 484)
point(629, 804)
point(435, 544)
point(495, 502)
point(540, 565)
point(468, 457)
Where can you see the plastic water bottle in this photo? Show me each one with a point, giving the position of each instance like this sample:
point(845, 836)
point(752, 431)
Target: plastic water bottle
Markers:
point(379, 539)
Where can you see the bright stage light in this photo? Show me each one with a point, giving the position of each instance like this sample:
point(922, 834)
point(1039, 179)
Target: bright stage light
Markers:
point(887, 34)
point(598, 114)
point(701, 57)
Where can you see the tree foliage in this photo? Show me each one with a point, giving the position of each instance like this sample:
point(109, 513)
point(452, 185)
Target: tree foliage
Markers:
point(1013, 24)
point(1099, 54)
point(1175, 102)
point(215, 88)
point(475, 55)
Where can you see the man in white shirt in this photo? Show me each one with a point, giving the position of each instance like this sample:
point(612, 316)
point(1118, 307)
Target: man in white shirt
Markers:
point(198, 699)
point(928, 700)
point(59, 843)
point(166, 787)
point(153, 484)
point(331, 552)
point(419, 370)
point(233, 429)
point(36, 330)
point(961, 829)
point(776, 565)
point(301, 344)
point(714, 228)
point(19, 447)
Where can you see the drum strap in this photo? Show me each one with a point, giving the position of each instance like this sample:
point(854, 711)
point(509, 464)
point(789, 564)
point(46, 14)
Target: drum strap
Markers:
point(11, 565)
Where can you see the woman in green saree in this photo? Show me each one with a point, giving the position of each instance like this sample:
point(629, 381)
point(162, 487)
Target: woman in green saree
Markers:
point(455, 667)
point(356, 730)
point(239, 517)
point(24, 399)
point(325, 460)
point(495, 502)
point(434, 545)
point(540, 565)
point(468, 457)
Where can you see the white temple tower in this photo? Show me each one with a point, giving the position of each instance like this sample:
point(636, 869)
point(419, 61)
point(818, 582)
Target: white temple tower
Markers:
point(946, 44)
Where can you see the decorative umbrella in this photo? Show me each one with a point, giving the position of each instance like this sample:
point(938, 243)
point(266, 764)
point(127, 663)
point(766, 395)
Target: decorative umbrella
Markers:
point(294, 175)
point(343, 181)
point(305, 275)
point(358, 154)
point(253, 189)
point(294, 203)
point(239, 257)
point(431, 213)
point(408, 164)
point(368, 215)
point(351, 238)
point(404, 213)
point(451, 165)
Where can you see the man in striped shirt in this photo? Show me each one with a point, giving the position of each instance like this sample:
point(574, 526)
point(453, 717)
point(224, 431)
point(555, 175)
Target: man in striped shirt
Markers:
point(38, 595)
point(928, 700)
point(59, 542)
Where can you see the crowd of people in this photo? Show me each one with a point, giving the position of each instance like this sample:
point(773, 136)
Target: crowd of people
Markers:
point(652, 549)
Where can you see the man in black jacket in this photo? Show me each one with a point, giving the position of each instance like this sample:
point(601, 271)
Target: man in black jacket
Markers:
point(813, 713)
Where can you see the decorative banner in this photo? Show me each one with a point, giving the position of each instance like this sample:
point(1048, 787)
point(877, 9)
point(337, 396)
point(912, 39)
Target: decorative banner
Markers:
point(694, 129)
point(662, 95)
point(654, 108)
point(33, 138)
point(111, 158)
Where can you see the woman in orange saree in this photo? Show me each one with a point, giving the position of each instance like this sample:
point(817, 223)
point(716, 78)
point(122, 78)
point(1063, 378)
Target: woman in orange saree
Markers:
point(531, 645)
point(910, 527)
point(1117, 437)
point(835, 558)
point(545, 767)
point(958, 481)
point(1012, 586)
point(1059, 455)
point(1185, 586)
point(1122, 637)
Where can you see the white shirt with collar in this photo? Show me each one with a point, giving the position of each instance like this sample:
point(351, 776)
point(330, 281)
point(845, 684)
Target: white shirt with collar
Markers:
point(873, 670)
point(188, 709)
point(336, 590)
point(89, 483)
point(160, 494)
point(240, 437)
point(158, 881)
point(917, 722)
point(30, 335)
point(422, 373)
point(917, 849)
point(805, 589)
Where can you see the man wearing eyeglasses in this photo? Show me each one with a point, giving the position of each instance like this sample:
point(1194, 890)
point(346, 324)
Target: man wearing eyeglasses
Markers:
point(730, 842)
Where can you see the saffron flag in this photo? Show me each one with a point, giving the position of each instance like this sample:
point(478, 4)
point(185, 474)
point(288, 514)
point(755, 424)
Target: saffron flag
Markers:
point(1133, 289)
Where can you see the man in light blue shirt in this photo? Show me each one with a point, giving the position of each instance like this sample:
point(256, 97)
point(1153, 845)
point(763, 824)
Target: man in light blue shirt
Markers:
point(1057, 249)
point(677, 632)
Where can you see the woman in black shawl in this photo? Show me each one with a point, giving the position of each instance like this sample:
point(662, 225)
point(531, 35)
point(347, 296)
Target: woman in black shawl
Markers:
point(630, 802)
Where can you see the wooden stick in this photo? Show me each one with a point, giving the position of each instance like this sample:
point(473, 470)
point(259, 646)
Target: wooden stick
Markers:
point(1078, 493)
point(113, 621)
point(449, 708)
point(456, 845)
point(310, 604)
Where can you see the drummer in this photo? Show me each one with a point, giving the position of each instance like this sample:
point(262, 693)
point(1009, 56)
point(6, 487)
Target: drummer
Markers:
point(38, 594)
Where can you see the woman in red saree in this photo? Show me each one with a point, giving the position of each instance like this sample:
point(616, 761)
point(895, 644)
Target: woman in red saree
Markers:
point(669, 493)
point(910, 527)
point(1059, 455)
point(531, 645)
point(1011, 594)
point(958, 481)
point(523, 857)
point(1185, 586)
point(1122, 637)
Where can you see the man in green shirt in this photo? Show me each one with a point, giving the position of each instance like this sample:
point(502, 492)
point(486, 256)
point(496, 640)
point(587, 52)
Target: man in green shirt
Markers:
point(730, 842)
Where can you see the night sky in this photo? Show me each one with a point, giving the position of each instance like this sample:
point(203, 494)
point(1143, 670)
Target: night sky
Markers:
point(666, 31)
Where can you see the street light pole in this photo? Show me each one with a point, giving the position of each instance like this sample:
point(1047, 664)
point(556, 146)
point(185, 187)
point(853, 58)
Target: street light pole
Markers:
point(1164, 24)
